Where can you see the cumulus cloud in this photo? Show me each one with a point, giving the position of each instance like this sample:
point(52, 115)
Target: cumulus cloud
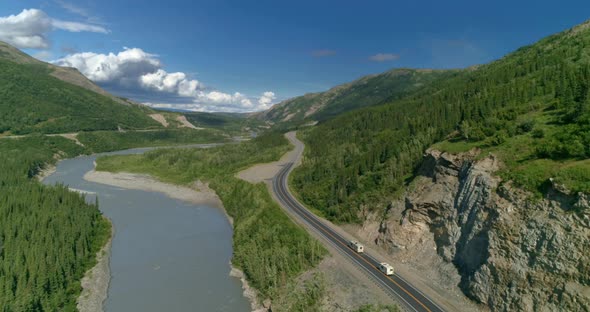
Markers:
point(224, 98)
point(136, 71)
point(29, 29)
point(265, 101)
point(216, 101)
point(163, 81)
point(131, 68)
point(124, 68)
point(383, 57)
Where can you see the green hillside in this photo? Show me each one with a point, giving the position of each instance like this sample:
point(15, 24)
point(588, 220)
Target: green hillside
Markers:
point(230, 123)
point(367, 91)
point(49, 236)
point(39, 97)
point(537, 97)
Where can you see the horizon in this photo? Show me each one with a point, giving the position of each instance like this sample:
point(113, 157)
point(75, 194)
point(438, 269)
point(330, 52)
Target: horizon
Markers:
point(224, 59)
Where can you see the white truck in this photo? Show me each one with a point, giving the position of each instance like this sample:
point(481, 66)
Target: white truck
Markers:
point(356, 246)
point(386, 268)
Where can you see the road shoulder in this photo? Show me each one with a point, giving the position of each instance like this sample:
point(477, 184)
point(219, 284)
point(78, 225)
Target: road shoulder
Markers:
point(348, 288)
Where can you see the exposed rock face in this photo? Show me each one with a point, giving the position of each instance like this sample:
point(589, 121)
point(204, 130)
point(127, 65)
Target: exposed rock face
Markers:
point(513, 253)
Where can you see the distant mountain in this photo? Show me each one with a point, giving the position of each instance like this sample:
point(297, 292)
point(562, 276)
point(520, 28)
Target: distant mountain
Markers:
point(233, 123)
point(39, 97)
point(366, 91)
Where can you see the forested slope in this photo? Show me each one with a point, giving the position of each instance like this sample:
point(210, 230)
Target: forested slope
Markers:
point(366, 91)
point(49, 236)
point(540, 93)
point(230, 123)
point(33, 99)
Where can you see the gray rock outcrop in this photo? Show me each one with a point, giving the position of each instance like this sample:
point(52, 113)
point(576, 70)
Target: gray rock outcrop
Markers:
point(513, 252)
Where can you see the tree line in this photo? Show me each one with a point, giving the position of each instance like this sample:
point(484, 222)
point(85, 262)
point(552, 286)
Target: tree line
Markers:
point(359, 160)
point(49, 235)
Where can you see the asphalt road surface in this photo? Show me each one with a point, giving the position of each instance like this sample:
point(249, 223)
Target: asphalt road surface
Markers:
point(404, 293)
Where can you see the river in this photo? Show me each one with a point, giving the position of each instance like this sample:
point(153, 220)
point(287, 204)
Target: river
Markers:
point(167, 255)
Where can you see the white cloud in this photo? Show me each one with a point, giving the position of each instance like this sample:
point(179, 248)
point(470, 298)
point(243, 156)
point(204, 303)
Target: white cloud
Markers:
point(80, 11)
point(138, 71)
point(216, 101)
point(162, 81)
point(383, 57)
point(29, 29)
point(124, 68)
point(78, 27)
point(236, 100)
point(265, 101)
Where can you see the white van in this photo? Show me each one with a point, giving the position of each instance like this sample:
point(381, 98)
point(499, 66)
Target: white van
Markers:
point(356, 246)
point(386, 268)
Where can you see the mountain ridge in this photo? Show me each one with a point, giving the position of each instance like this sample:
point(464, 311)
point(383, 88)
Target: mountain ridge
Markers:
point(67, 74)
point(38, 97)
point(503, 193)
point(365, 91)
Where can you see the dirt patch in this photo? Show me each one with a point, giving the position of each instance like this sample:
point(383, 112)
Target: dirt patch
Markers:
point(72, 136)
point(198, 193)
point(95, 283)
point(289, 117)
point(264, 172)
point(184, 123)
point(161, 119)
point(347, 287)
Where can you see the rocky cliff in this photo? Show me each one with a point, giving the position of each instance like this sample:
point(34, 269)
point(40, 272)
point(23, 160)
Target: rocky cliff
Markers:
point(511, 251)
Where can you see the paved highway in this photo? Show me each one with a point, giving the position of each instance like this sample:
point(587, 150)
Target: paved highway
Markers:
point(411, 298)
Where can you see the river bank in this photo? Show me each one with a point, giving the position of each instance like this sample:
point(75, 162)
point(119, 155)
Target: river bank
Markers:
point(95, 283)
point(197, 193)
point(45, 172)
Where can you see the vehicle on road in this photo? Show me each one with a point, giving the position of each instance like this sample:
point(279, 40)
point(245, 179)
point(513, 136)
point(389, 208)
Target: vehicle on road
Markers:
point(356, 246)
point(386, 268)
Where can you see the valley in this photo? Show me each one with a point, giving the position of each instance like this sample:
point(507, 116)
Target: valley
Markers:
point(409, 189)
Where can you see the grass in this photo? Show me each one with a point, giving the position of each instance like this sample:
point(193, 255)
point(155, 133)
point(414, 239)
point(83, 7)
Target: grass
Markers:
point(455, 147)
point(106, 141)
point(573, 174)
point(520, 162)
point(269, 248)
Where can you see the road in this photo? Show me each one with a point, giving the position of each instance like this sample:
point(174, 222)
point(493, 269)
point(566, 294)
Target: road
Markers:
point(404, 293)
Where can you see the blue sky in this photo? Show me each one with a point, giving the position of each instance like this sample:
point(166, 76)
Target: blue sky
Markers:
point(245, 55)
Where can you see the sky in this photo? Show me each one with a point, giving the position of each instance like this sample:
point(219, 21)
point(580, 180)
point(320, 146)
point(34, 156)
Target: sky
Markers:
point(240, 56)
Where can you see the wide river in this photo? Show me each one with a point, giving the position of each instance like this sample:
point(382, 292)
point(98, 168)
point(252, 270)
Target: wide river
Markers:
point(167, 255)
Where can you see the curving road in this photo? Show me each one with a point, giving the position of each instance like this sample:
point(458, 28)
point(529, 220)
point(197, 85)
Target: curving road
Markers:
point(404, 293)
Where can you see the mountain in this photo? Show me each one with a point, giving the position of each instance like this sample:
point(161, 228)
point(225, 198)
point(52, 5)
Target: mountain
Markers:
point(366, 91)
point(40, 97)
point(234, 123)
point(486, 171)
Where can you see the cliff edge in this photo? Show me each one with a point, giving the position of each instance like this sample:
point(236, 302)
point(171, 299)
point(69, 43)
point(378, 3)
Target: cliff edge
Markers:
point(503, 247)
